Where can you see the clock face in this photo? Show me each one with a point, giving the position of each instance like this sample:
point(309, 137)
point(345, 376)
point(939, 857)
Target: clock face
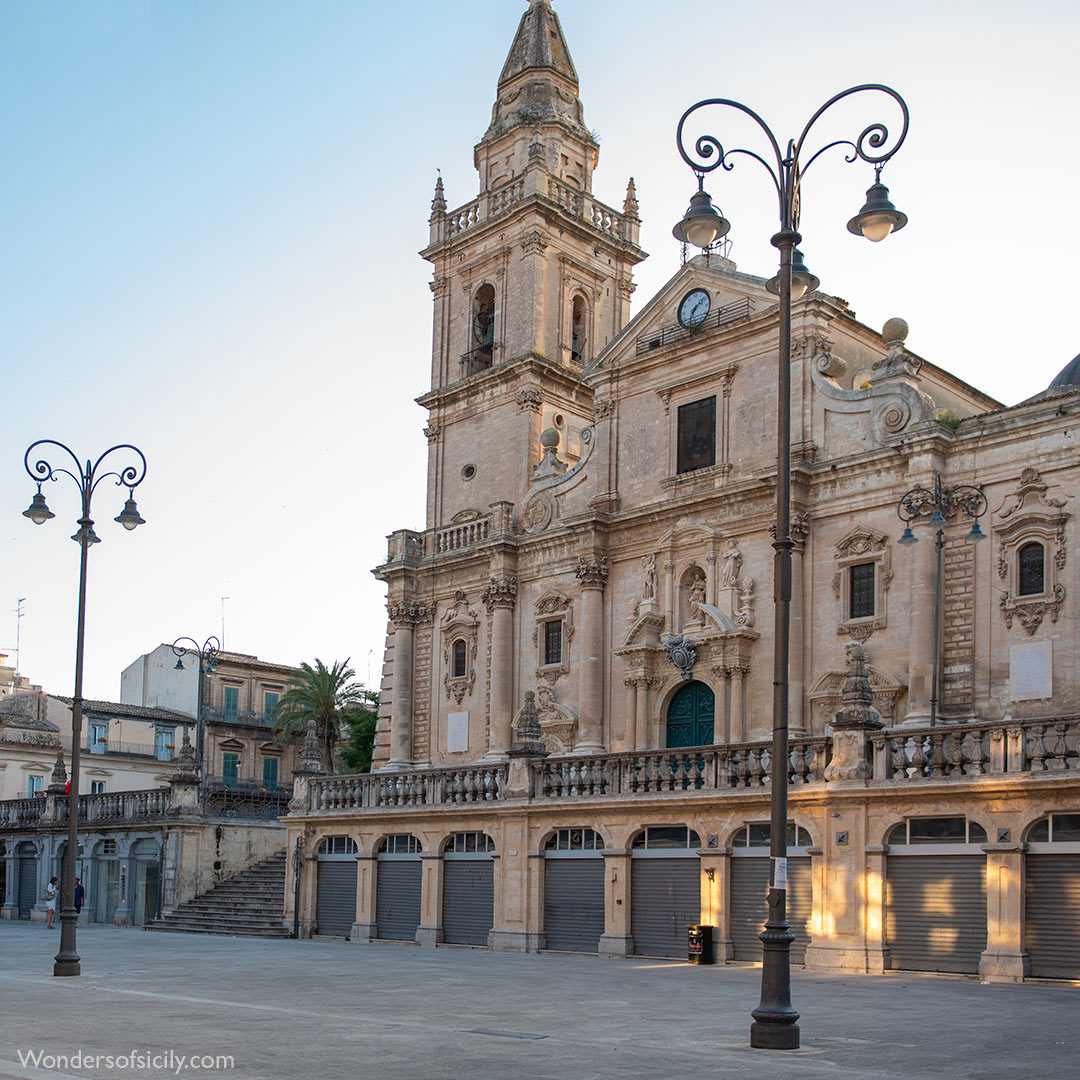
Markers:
point(694, 308)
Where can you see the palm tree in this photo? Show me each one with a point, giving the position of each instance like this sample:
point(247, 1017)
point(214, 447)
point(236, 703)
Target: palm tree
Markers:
point(327, 695)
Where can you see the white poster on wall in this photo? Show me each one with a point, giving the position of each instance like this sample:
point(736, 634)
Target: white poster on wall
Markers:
point(1031, 670)
point(457, 732)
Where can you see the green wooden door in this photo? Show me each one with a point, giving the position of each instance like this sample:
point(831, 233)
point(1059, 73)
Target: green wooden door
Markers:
point(690, 716)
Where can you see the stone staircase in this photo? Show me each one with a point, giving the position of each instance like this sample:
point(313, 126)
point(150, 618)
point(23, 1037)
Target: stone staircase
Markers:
point(250, 904)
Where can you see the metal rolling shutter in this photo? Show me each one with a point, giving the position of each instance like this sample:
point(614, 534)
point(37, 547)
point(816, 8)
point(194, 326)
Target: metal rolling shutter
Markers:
point(397, 900)
point(335, 903)
point(27, 886)
point(573, 904)
point(665, 895)
point(468, 901)
point(935, 917)
point(749, 885)
point(1052, 915)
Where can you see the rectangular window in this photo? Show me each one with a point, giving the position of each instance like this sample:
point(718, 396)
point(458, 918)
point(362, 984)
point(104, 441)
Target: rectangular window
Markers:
point(270, 772)
point(34, 785)
point(861, 577)
point(232, 703)
point(97, 787)
point(99, 738)
point(230, 769)
point(163, 744)
point(270, 701)
point(697, 435)
point(553, 642)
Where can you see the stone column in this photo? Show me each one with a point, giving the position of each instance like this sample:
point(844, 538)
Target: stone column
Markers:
point(616, 939)
point(10, 910)
point(716, 899)
point(592, 572)
point(631, 715)
point(641, 718)
point(405, 617)
point(125, 914)
point(722, 718)
point(367, 876)
point(1004, 959)
point(500, 597)
point(738, 723)
point(309, 887)
point(920, 638)
point(430, 931)
point(877, 950)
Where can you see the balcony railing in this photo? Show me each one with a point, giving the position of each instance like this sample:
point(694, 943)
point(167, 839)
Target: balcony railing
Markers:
point(414, 787)
point(736, 311)
point(230, 716)
point(21, 813)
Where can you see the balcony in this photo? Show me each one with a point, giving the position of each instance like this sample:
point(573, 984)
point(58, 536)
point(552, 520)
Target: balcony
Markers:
point(973, 752)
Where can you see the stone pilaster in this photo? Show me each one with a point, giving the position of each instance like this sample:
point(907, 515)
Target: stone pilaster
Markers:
point(616, 939)
point(500, 596)
point(430, 931)
point(592, 573)
point(367, 876)
point(716, 899)
point(405, 616)
point(1004, 959)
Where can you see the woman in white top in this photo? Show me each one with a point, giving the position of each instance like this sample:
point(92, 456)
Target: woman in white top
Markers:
point(50, 903)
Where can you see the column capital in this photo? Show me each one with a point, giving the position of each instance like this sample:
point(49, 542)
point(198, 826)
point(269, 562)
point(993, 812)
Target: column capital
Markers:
point(408, 614)
point(592, 572)
point(500, 593)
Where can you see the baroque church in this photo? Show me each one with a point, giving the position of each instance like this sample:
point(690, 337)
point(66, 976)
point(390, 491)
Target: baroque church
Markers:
point(573, 743)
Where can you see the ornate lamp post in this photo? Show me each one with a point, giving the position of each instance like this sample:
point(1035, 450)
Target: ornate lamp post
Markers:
point(207, 654)
point(87, 480)
point(775, 1024)
point(937, 507)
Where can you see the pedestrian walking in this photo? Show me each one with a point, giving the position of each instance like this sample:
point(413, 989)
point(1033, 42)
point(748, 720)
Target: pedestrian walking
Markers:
point(80, 897)
point(50, 903)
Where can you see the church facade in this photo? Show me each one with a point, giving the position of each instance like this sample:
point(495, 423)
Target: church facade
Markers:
point(576, 704)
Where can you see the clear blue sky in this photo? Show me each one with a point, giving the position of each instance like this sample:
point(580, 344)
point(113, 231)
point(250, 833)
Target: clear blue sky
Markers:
point(211, 210)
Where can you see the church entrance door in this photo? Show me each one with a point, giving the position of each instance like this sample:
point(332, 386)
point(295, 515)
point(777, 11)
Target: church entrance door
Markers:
point(690, 716)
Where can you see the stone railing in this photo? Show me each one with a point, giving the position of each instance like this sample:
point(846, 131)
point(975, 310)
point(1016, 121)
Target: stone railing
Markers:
point(414, 787)
point(462, 535)
point(121, 805)
point(21, 813)
point(463, 218)
point(706, 768)
point(1050, 744)
point(506, 197)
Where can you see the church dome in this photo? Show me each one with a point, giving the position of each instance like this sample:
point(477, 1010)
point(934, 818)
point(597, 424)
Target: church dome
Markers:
point(1069, 375)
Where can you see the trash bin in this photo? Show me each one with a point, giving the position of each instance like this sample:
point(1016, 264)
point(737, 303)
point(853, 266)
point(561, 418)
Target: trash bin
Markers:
point(699, 943)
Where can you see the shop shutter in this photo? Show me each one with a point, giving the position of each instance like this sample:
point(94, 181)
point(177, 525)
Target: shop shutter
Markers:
point(468, 900)
point(1052, 915)
point(397, 899)
point(27, 885)
point(335, 904)
point(935, 918)
point(749, 886)
point(665, 895)
point(574, 904)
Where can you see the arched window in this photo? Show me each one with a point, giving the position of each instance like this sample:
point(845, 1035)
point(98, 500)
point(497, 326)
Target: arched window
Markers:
point(666, 836)
point(468, 841)
point(459, 667)
point(399, 844)
point(574, 840)
point(1030, 561)
point(759, 835)
point(481, 331)
point(338, 845)
point(578, 320)
point(939, 830)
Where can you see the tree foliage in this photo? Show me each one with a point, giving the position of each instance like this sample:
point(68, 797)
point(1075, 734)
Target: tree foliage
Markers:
point(359, 734)
point(329, 695)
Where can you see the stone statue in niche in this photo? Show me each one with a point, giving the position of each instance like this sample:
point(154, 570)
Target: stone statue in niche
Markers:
point(745, 615)
point(732, 565)
point(695, 597)
point(648, 585)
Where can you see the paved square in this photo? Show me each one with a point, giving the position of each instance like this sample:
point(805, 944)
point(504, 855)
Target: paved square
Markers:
point(295, 1009)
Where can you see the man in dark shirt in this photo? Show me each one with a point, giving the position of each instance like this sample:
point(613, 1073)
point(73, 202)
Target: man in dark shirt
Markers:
point(80, 897)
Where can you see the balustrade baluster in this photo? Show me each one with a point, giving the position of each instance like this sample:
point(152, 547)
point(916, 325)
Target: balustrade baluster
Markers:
point(1061, 750)
point(798, 763)
point(937, 761)
point(954, 745)
point(757, 769)
point(1038, 748)
point(899, 758)
point(918, 758)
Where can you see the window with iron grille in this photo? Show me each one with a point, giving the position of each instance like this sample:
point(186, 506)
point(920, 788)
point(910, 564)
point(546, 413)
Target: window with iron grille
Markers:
point(1030, 561)
point(553, 636)
point(399, 844)
point(460, 668)
point(861, 579)
point(697, 435)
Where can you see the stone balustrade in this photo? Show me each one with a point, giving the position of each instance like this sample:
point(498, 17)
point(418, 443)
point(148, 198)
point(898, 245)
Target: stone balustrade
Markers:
point(506, 197)
point(412, 787)
point(21, 813)
point(463, 218)
point(462, 535)
point(950, 751)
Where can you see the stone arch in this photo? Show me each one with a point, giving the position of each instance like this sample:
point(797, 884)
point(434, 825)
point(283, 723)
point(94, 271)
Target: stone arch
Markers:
point(690, 715)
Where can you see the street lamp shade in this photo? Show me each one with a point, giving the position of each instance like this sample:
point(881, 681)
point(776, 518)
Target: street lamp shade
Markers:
point(86, 535)
point(976, 533)
point(129, 517)
point(37, 511)
point(702, 224)
point(937, 519)
point(908, 538)
point(179, 665)
point(878, 217)
point(802, 281)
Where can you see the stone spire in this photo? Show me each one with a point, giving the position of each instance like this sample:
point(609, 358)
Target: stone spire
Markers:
point(59, 778)
point(438, 204)
point(630, 203)
point(538, 46)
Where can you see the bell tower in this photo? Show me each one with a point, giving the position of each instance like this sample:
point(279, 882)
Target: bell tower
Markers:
point(532, 278)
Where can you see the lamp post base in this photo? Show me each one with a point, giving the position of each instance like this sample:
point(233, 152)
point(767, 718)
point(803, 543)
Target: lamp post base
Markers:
point(775, 1034)
point(67, 960)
